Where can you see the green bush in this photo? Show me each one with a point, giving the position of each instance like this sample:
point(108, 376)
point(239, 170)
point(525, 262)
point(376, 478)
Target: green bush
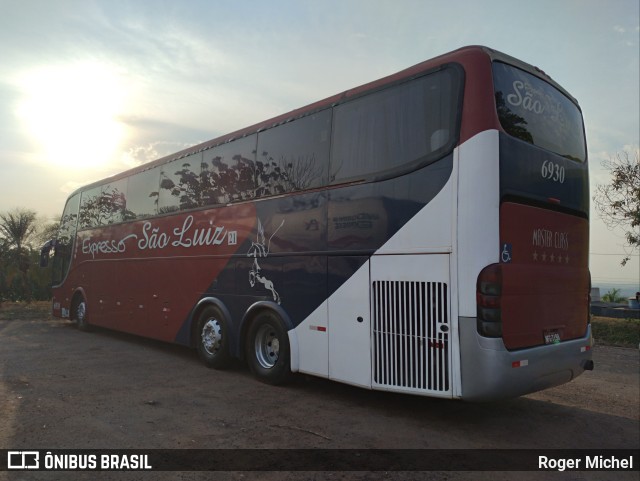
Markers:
point(613, 295)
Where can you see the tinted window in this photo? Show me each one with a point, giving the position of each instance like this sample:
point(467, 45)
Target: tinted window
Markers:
point(104, 205)
point(65, 239)
point(180, 184)
point(295, 156)
point(534, 111)
point(398, 127)
point(229, 172)
point(143, 193)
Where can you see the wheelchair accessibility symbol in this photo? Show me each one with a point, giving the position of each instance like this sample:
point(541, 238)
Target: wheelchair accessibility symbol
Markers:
point(505, 256)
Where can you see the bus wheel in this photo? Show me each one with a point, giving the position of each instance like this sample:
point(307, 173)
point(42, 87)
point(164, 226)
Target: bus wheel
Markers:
point(267, 349)
point(80, 314)
point(213, 338)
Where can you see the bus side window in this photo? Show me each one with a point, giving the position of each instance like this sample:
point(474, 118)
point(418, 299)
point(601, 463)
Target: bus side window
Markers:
point(103, 205)
point(89, 215)
point(439, 139)
point(65, 239)
point(113, 198)
point(399, 127)
point(180, 184)
point(295, 156)
point(228, 172)
point(143, 194)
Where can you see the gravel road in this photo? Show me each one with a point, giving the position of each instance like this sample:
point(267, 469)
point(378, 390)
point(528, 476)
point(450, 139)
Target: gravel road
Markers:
point(62, 388)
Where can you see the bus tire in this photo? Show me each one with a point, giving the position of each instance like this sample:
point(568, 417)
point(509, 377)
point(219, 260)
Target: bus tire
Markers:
point(267, 349)
point(80, 314)
point(212, 338)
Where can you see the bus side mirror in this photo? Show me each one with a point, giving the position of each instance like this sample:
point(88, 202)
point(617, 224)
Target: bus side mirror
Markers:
point(45, 252)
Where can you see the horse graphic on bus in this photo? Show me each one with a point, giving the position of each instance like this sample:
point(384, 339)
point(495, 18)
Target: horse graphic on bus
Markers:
point(260, 249)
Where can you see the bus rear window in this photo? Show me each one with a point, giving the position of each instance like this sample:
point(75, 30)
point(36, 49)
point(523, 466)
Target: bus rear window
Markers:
point(532, 110)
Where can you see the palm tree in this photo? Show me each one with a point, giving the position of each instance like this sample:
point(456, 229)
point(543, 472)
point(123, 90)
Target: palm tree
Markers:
point(17, 228)
point(614, 296)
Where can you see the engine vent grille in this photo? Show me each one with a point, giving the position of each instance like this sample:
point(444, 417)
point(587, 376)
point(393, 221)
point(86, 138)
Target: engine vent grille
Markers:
point(411, 335)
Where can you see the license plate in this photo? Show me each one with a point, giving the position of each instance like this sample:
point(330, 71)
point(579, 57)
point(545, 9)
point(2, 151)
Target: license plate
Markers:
point(551, 337)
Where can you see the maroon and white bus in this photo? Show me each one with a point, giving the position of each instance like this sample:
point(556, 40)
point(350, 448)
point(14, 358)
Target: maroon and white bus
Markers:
point(424, 233)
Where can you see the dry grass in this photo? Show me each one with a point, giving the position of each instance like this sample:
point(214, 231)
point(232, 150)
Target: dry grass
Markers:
point(24, 310)
point(616, 332)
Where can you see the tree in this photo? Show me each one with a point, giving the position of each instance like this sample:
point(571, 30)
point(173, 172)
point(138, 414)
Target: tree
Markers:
point(619, 201)
point(17, 229)
point(614, 296)
point(46, 230)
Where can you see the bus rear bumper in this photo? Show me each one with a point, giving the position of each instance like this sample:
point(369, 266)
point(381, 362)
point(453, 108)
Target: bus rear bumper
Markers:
point(490, 372)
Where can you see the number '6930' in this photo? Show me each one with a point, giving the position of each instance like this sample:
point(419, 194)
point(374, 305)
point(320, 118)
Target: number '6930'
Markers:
point(553, 171)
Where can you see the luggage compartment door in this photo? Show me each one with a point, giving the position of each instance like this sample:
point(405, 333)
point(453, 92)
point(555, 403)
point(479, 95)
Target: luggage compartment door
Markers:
point(411, 324)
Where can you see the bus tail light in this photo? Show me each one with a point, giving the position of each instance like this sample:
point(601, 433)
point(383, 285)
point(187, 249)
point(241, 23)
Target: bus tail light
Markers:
point(488, 300)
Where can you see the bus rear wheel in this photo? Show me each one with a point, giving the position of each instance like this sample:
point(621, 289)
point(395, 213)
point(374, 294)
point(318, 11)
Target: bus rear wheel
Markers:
point(267, 349)
point(213, 338)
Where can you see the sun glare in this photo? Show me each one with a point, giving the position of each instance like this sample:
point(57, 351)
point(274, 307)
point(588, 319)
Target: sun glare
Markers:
point(72, 112)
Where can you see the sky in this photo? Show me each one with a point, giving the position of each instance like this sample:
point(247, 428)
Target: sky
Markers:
point(89, 88)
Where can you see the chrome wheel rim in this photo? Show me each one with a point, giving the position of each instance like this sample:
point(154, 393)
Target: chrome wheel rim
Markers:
point(81, 312)
point(267, 346)
point(211, 336)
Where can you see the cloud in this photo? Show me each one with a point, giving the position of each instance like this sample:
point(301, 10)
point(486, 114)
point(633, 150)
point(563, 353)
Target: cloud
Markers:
point(142, 154)
point(71, 186)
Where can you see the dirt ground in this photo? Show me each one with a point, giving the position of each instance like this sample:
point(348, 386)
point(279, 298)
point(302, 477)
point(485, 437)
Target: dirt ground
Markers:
point(62, 388)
